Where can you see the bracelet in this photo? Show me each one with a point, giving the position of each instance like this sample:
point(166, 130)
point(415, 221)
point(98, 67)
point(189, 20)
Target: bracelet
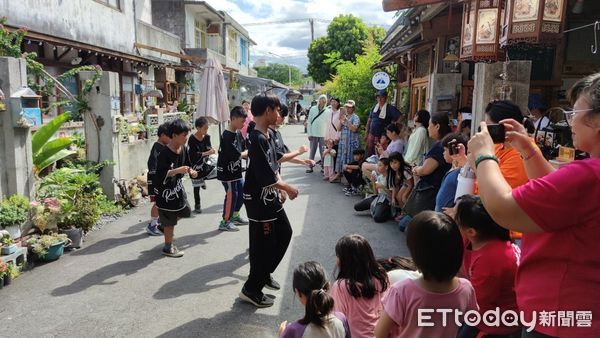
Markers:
point(482, 158)
point(526, 158)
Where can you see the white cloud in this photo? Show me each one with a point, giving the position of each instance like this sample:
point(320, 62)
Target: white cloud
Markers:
point(291, 39)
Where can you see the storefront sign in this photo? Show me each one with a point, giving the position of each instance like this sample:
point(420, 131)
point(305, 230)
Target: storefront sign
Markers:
point(381, 80)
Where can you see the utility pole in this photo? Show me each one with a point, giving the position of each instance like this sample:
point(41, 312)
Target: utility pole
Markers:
point(312, 29)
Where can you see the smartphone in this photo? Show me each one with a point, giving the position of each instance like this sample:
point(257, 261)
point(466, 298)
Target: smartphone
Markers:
point(497, 132)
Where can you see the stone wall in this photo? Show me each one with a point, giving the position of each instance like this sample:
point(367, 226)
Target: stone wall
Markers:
point(16, 159)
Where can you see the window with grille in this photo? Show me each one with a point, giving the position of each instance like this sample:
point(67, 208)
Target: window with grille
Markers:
point(232, 45)
point(199, 34)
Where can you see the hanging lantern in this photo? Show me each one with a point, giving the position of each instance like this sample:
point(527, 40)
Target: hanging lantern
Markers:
point(533, 21)
point(481, 30)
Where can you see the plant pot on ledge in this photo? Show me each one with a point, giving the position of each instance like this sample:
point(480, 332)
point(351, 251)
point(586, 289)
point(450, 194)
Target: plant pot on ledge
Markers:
point(8, 249)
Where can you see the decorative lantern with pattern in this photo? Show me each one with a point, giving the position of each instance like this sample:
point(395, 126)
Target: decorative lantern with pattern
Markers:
point(481, 30)
point(533, 21)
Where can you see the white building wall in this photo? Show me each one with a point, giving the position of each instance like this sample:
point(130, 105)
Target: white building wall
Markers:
point(79, 20)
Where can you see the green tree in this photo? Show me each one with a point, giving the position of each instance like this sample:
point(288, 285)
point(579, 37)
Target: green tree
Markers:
point(353, 81)
point(317, 68)
point(376, 35)
point(280, 73)
point(347, 36)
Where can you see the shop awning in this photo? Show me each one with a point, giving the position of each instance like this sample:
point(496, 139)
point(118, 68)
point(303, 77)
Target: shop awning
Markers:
point(394, 5)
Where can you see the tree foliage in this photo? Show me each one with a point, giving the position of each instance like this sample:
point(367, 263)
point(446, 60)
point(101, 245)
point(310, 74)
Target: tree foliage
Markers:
point(280, 73)
point(346, 38)
point(353, 81)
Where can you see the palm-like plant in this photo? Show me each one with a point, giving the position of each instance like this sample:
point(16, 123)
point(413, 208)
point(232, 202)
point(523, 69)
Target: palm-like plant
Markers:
point(46, 151)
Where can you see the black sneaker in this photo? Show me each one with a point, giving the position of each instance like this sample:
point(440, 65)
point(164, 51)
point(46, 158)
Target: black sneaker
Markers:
point(272, 284)
point(258, 300)
point(309, 170)
point(174, 252)
point(197, 209)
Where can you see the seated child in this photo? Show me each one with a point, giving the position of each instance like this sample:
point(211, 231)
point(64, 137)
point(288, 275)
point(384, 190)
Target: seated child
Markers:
point(320, 320)
point(353, 174)
point(490, 263)
point(436, 247)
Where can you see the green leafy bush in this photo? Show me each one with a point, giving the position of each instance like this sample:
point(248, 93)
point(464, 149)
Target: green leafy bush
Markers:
point(81, 197)
point(14, 210)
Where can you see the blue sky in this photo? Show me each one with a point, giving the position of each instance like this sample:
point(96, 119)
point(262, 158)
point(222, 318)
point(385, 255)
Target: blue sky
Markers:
point(291, 40)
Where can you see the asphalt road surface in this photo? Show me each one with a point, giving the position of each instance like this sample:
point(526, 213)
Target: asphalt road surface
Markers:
point(119, 284)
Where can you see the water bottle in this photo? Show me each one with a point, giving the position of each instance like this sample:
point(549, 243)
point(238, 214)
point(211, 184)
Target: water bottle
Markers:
point(466, 182)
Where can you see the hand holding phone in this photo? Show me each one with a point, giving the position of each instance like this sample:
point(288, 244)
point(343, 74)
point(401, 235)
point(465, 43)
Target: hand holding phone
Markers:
point(497, 132)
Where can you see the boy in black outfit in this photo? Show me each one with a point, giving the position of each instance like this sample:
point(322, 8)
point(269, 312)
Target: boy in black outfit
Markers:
point(171, 199)
point(159, 145)
point(353, 174)
point(264, 193)
point(229, 170)
point(200, 148)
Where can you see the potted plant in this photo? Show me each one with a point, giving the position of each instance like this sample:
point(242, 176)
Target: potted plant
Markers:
point(8, 245)
point(14, 211)
point(48, 247)
point(3, 269)
point(46, 213)
point(12, 272)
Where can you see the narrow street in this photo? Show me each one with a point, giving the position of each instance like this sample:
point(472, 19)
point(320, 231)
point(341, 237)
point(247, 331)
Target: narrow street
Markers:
point(119, 284)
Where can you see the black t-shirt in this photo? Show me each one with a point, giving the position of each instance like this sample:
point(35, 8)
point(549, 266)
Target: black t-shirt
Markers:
point(169, 191)
point(260, 195)
point(196, 148)
point(152, 161)
point(229, 164)
point(437, 153)
point(281, 147)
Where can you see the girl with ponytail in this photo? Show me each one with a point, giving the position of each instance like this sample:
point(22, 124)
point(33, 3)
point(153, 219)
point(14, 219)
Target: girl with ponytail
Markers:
point(312, 288)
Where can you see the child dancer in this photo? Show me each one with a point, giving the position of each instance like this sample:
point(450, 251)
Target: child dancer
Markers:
point(171, 199)
point(199, 147)
point(264, 193)
point(229, 170)
point(311, 287)
point(159, 145)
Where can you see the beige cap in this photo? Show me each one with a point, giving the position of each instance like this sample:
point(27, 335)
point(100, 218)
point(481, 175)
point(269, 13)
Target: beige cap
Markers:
point(350, 103)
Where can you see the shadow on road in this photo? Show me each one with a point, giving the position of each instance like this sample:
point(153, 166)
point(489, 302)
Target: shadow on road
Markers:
point(128, 267)
point(108, 244)
point(102, 275)
point(200, 280)
point(241, 321)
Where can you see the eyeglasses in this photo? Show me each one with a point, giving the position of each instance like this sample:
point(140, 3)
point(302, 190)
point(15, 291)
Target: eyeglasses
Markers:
point(569, 114)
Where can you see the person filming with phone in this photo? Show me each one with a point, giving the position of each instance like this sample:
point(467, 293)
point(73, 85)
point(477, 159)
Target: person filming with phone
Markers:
point(557, 211)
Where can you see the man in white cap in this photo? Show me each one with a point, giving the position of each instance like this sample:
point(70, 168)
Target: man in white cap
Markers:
point(316, 128)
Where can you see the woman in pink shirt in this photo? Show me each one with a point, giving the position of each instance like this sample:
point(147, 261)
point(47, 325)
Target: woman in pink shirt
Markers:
point(558, 212)
point(359, 286)
point(411, 307)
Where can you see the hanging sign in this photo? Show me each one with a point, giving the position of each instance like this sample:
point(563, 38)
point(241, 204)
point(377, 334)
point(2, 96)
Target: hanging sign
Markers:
point(381, 80)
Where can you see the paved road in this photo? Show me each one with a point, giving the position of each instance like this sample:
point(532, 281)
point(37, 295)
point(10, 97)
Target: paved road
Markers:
point(119, 284)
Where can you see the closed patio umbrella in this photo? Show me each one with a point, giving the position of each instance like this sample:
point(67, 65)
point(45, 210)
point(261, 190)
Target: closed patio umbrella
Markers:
point(213, 102)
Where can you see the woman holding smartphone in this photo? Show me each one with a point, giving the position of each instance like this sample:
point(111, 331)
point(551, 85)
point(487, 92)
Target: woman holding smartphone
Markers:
point(557, 211)
point(348, 124)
